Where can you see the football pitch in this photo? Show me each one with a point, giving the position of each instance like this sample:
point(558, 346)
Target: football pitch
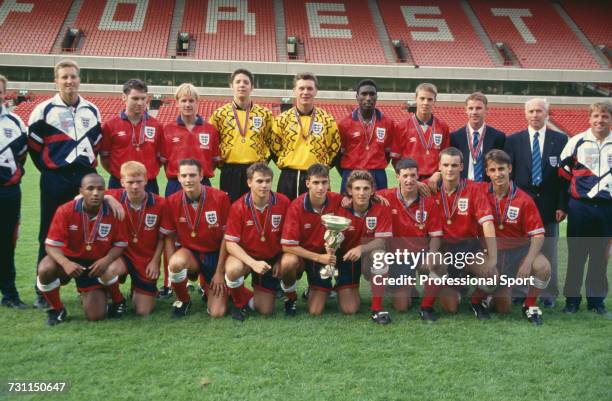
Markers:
point(332, 357)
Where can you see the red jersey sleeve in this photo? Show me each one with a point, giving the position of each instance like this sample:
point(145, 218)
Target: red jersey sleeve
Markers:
point(482, 208)
point(160, 138)
point(235, 220)
point(434, 221)
point(215, 152)
point(384, 228)
point(168, 223)
point(58, 232)
point(291, 229)
point(121, 236)
point(224, 210)
point(106, 142)
point(532, 223)
point(164, 146)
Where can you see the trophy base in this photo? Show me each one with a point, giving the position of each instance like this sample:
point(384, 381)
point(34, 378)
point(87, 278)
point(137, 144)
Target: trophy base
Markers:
point(328, 272)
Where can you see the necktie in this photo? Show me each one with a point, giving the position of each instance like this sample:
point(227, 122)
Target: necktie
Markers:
point(536, 161)
point(478, 170)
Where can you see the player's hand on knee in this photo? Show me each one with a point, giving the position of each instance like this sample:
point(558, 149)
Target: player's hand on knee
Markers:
point(98, 268)
point(217, 285)
point(524, 271)
point(73, 269)
point(261, 267)
point(152, 270)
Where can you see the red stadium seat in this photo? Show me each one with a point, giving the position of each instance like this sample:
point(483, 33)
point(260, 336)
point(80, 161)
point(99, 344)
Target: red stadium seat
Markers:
point(137, 29)
point(230, 33)
point(32, 26)
point(571, 121)
point(593, 20)
point(535, 32)
point(338, 33)
point(437, 33)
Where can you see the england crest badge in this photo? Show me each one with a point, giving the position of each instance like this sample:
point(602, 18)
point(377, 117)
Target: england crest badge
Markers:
point(276, 220)
point(513, 212)
point(211, 217)
point(317, 128)
point(204, 139)
point(371, 223)
point(463, 204)
point(150, 220)
point(150, 132)
point(418, 216)
point(437, 138)
point(380, 134)
point(104, 229)
point(257, 122)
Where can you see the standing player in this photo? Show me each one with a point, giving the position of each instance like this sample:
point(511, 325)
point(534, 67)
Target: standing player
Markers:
point(143, 215)
point(84, 239)
point(416, 225)
point(189, 137)
point(244, 134)
point(422, 135)
point(302, 136)
point(196, 217)
point(466, 213)
point(366, 137)
point(13, 150)
point(587, 166)
point(516, 219)
point(476, 139)
point(370, 222)
point(253, 240)
point(63, 139)
point(302, 238)
point(132, 135)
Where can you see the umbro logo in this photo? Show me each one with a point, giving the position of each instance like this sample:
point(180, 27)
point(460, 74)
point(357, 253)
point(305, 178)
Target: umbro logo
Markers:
point(249, 223)
point(307, 225)
point(413, 139)
point(176, 139)
point(182, 220)
point(121, 133)
point(73, 227)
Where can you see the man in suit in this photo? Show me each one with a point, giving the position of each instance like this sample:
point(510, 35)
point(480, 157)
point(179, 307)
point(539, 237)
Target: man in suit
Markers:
point(535, 154)
point(476, 139)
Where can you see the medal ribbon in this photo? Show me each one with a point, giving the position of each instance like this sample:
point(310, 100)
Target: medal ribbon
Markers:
point(407, 207)
point(242, 130)
point(299, 121)
point(186, 206)
point(368, 124)
point(141, 137)
point(448, 213)
point(260, 230)
point(511, 194)
point(135, 228)
point(475, 152)
point(89, 236)
point(427, 145)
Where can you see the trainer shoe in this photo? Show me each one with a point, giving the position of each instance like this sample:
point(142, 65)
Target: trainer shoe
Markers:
point(14, 303)
point(240, 314)
point(381, 317)
point(480, 311)
point(164, 293)
point(116, 311)
point(290, 307)
point(40, 303)
point(533, 315)
point(600, 310)
point(571, 308)
point(55, 316)
point(180, 309)
point(428, 315)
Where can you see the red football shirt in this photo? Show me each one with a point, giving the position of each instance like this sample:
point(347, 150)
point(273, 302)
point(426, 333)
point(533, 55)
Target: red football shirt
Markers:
point(407, 222)
point(520, 216)
point(246, 224)
point(122, 141)
point(303, 225)
point(68, 232)
point(142, 225)
point(471, 210)
point(210, 226)
point(423, 146)
point(375, 223)
point(366, 146)
point(201, 144)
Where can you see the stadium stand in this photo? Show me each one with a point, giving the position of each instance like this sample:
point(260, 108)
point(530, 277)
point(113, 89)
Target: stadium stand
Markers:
point(137, 28)
point(535, 33)
point(220, 32)
point(593, 20)
point(108, 106)
point(338, 33)
point(22, 27)
point(437, 33)
point(570, 121)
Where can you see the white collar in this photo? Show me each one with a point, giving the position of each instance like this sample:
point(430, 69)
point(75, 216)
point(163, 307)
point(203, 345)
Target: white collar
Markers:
point(589, 136)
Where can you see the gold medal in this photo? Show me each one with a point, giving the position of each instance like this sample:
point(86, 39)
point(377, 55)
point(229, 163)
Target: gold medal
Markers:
point(367, 148)
point(88, 247)
point(448, 221)
point(262, 238)
point(134, 240)
point(138, 148)
point(427, 152)
point(193, 234)
point(243, 140)
point(501, 226)
point(421, 226)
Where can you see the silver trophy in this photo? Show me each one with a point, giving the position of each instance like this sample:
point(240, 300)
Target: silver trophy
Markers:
point(333, 238)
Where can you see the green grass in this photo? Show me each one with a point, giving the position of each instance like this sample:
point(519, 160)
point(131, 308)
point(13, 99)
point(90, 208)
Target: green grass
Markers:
point(332, 357)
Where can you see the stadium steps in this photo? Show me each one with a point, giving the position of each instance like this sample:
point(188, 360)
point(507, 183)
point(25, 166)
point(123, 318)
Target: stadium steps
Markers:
point(68, 22)
point(281, 30)
point(383, 36)
point(480, 32)
point(580, 35)
point(177, 21)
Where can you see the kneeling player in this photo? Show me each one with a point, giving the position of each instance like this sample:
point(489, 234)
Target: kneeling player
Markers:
point(253, 242)
point(144, 212)
point(516, 219)
point(369, 220)
point(195, 217)
point(416, 226)
point(83, 241)
point(303, 234)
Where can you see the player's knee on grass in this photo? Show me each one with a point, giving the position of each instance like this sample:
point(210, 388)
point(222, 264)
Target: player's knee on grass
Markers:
point(502, 300)
point(264, 302)
point(289, 263)
point(94, 305)
point(402, 300)
point(234, 268)
point(316, 302)
point(143, 304)
point(449, 300)
point(217, 310)
point(348, 301)
point(47, 270)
